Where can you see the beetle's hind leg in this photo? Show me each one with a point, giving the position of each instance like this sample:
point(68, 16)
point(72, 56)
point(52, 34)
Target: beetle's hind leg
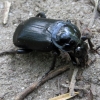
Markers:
point(19, 51)
point(41, 14)
point(52, 65)
point(23, 51)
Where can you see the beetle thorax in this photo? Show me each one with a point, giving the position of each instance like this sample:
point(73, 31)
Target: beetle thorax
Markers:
point(67, 38)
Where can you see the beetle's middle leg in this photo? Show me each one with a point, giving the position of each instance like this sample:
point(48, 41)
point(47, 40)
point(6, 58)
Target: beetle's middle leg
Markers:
point(42, 15)
point(52, 64)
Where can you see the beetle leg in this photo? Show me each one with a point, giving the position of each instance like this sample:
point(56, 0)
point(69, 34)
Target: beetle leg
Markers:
point(90, 44)
point(19, 51)
point(23, 51)
point(54, 61)
point(89, 41)
point(73, 58)
point(42, 15)
point(52, 65)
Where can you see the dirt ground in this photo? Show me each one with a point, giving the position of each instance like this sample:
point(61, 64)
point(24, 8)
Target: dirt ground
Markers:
point(18, 71)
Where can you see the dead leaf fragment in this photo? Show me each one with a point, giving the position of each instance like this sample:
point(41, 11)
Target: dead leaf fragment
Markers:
point(64, 96)
point(6, 11)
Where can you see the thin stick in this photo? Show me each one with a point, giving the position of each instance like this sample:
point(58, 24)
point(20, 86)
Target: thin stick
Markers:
point(73, 80)
point(94, 13)
point(78, 24)
point(6, 11)
point(86, 87)
point(35, 85)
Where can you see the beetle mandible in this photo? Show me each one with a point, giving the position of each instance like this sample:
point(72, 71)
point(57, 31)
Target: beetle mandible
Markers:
point(42, 34)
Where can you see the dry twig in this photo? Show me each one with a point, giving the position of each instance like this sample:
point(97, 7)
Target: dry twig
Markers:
point(73, 80)
point(85, 88)
point(78, 24)
point(6, 11)
point(35, 85)
point(90, 95)
point(94, 14)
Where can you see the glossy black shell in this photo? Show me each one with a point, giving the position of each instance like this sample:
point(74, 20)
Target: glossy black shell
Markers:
point(41, 33)
point(33, 34)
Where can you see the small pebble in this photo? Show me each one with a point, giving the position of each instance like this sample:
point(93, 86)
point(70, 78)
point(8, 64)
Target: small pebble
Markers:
point(1, 5)
point(67, 82)
point(36, 9)
point(99, 78)
point(23, 88)
point(30, 14)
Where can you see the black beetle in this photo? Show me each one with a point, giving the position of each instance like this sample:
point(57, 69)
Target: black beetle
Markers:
point(42, 34)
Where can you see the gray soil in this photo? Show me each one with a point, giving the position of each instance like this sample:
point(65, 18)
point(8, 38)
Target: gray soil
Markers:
point(18, 71)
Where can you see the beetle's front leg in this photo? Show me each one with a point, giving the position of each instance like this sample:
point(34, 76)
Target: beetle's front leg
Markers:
point(89, 41)
point(90, 44)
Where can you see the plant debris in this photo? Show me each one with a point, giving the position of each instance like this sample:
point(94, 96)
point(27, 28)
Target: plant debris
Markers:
point(6, 11)
point(72, 83)
point(35, 85)
point(94, 14)
point(64, 96)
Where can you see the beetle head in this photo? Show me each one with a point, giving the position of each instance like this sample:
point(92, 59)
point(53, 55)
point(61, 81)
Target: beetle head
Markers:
point(69, 46)
point(81, 53)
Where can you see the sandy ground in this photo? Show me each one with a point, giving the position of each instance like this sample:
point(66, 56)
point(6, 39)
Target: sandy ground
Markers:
point(18, 71)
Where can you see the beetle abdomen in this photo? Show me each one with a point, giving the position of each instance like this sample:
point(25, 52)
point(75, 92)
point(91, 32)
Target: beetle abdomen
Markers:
point(33, 34)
